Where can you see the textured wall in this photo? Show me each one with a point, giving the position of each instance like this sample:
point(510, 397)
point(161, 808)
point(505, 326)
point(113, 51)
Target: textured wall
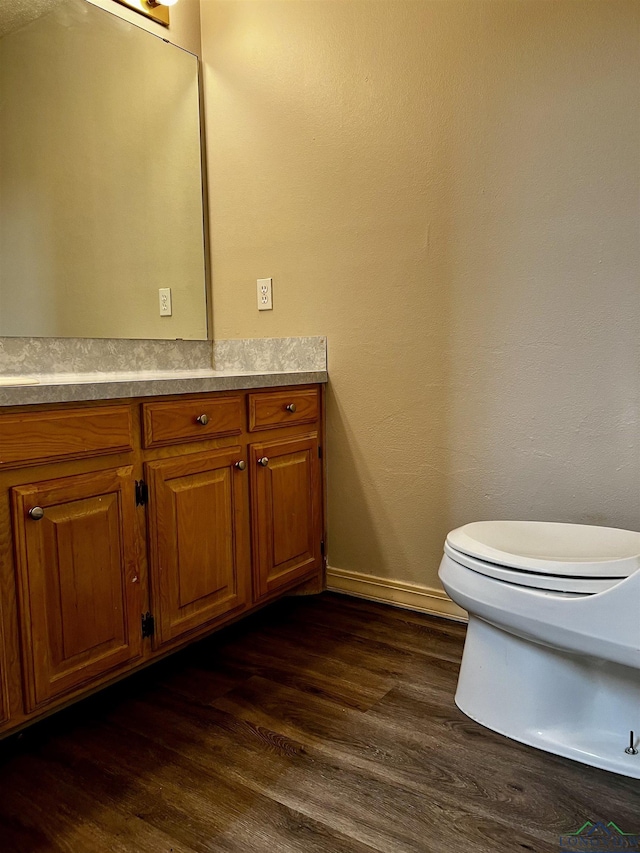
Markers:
point(450, 191)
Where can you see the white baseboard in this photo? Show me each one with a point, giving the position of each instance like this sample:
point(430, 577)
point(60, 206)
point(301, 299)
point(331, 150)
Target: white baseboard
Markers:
point(410, 595)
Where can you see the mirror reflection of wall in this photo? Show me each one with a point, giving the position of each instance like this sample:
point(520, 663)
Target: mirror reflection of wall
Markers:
point(100, 179)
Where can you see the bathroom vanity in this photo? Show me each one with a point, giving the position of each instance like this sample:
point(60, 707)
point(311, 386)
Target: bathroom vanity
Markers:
point(130, 527)
point(145, 498)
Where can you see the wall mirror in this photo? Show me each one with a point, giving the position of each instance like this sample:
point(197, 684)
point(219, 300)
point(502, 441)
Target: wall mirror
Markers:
point(101, 200)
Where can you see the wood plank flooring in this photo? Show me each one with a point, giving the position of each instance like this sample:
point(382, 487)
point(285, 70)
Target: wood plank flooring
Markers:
point(319, 725)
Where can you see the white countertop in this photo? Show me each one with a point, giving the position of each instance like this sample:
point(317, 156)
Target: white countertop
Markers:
point(75, 387)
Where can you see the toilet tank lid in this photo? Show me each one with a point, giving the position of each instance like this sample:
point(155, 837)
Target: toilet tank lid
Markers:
point(572, 550)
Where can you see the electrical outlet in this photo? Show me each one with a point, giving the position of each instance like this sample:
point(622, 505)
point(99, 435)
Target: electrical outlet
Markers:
point(265, 294)
point(164, 294)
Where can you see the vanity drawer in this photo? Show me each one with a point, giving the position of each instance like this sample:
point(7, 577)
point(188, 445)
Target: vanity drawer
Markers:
point(32, 437)
point(191, 420)
point(283, 408)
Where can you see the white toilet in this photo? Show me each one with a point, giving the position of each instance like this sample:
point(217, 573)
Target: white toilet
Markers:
point(552, 654)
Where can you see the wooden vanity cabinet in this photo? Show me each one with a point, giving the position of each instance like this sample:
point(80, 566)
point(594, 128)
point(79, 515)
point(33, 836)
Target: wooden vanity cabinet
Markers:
point(128, 529)
point(286, 511)
point(286, 487)
point(7, 598)
point(4, 716)
point(199, 554)
point(4, 698)
point(79, 594)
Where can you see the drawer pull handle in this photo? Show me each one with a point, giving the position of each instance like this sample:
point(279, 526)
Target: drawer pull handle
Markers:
point(291, 407)
point(241, 465)
point(203, 419)
point(36, 513)
point(264, 461)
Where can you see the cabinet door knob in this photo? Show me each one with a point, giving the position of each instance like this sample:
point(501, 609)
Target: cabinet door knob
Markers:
point(291, 407)
point(203, 419)
point(241, 465)
point(264, 461)
point(36, 513)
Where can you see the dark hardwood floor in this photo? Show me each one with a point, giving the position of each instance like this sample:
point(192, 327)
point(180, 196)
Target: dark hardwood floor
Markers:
point(319, 725)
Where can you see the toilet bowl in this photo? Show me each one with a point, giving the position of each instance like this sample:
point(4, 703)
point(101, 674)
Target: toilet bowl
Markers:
point(552, 653)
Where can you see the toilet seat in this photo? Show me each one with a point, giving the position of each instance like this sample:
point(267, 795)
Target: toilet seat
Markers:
point(571, 550)
point(570, 558)
point(519, 577)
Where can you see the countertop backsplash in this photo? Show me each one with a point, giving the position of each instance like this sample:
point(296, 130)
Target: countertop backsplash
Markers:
point(272, 354)
point(44, 356)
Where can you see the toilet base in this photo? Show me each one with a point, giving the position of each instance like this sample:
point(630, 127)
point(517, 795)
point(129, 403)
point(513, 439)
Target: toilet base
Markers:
point(577, 707)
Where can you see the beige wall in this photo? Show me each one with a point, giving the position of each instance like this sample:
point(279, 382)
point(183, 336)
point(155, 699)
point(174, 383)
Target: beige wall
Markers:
point(450, 191)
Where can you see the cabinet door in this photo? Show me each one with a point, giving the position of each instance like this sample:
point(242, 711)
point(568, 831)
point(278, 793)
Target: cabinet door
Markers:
point(5, 572)
point(4, 711)
point(78, 589)
point(286, 512)
point(4, 699)
point(198, 540)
